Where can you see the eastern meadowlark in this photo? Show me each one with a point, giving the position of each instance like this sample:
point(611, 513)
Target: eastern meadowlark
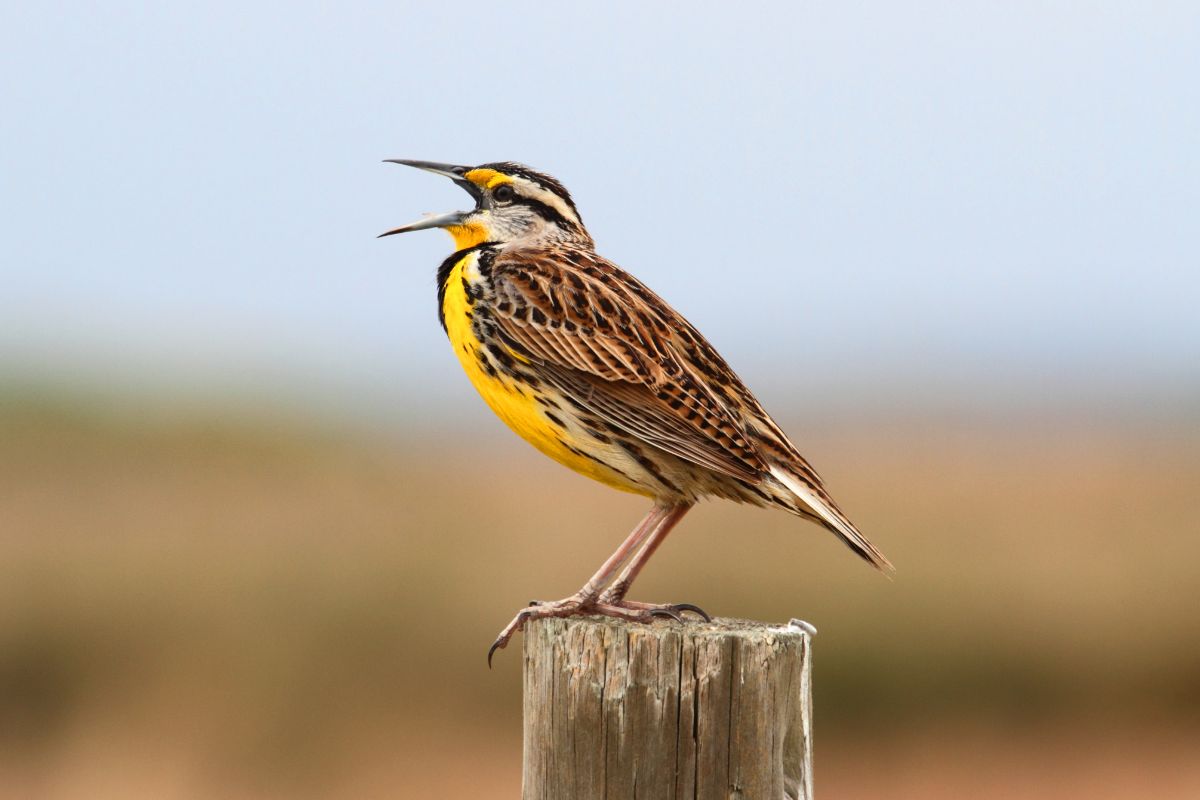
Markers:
point(596, 371)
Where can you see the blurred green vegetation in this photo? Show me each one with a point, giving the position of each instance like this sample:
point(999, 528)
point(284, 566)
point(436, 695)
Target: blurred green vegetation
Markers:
point(281, 608)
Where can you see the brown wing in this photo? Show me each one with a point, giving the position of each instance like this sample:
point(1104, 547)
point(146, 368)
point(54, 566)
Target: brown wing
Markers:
point(604, 340)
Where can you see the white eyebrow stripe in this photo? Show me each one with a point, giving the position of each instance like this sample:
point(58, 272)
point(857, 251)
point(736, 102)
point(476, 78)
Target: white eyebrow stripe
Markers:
point(536, 192)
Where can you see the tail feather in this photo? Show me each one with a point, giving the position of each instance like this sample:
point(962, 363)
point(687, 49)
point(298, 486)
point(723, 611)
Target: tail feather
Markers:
point(833, 519)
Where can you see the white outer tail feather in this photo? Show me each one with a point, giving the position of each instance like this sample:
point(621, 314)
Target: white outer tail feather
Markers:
point(836, 521)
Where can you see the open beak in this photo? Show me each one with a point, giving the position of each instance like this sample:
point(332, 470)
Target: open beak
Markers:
point(430, 221)
point(454, 173)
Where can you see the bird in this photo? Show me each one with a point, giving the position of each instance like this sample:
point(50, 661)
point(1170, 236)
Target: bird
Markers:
point(595, 370)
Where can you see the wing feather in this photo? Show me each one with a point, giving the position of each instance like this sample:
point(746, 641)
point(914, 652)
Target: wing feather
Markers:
point(606, 346)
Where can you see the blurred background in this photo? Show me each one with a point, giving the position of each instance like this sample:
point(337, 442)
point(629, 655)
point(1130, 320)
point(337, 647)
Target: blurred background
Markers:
point(953, 248)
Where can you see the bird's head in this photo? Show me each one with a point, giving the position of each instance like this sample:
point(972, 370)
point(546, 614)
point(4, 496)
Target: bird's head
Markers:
point(512, 202)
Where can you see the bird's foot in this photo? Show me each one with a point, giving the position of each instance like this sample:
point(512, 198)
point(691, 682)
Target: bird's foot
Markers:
point(567, 607)
point(672, 610)
point(604, 605)
point(615, 596)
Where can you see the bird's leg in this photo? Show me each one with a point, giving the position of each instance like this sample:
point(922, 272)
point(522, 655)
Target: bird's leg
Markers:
point(614, 595)
point(645, 530)
point(616, 592)
point(585, 600)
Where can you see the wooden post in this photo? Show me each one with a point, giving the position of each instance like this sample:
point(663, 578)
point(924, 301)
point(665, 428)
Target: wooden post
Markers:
point(667, 711)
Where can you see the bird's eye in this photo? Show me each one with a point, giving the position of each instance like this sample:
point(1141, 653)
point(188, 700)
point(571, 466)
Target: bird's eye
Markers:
point(503, 194)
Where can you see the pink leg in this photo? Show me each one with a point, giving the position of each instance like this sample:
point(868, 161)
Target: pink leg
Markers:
point(646, 529)
point(584, 601)
point(616, 592)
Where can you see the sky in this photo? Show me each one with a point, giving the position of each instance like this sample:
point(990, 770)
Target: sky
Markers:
point(844, 197)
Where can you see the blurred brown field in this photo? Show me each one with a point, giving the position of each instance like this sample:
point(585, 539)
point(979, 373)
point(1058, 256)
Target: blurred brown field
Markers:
point(217, 605)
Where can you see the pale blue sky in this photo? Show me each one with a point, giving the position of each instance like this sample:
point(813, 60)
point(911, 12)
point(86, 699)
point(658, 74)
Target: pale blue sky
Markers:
point(879, 194)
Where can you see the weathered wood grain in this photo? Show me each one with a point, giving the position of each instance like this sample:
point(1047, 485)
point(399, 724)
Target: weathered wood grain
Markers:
point(616, 711)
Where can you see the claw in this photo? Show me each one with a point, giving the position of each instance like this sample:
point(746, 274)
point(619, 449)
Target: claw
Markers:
point(518, 623)
point(668, 612)
point(496, 645)
point(694, 609)
point(537, 609)
point(500, 643)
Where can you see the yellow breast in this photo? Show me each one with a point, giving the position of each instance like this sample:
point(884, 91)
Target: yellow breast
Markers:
point(513, 401)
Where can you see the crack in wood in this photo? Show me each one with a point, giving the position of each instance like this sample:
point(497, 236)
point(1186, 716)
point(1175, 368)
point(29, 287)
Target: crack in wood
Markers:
point(607, 705)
